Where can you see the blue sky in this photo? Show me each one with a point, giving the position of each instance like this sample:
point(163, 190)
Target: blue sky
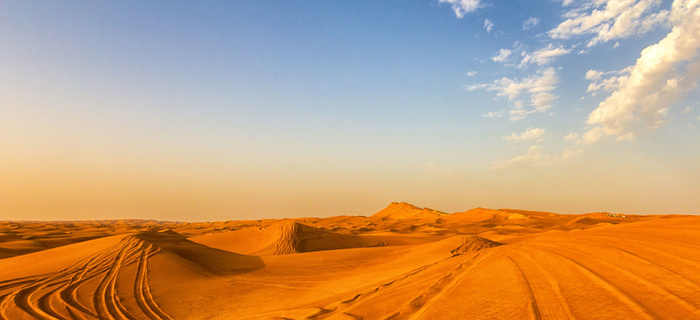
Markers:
point(250, 109)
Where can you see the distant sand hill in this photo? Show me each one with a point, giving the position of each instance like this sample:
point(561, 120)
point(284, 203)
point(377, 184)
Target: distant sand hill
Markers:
point(403, 262)
point(402, 210)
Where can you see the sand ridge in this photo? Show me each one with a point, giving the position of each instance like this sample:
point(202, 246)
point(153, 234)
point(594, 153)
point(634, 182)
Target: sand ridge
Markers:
point(404, 262)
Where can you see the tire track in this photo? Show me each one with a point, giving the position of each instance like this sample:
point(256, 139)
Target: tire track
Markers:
point(439, 290)
point(640, 309)
point(55, 296)
point(549, 287)
point(338, 308)
point(23, 300)
point(693, 264)
point(662, 297)
point(105, 298)
point(44, 302)
point(533, 301)
point(418, 305)
point(142, 291)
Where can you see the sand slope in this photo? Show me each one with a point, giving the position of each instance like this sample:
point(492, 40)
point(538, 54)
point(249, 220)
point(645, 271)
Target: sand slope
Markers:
point(400, 264)
point(283, 237)
point(110, 281)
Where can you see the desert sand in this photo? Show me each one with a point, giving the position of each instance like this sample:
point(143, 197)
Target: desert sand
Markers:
point(403, 262)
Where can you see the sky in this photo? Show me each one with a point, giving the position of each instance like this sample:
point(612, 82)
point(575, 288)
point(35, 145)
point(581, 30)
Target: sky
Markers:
point(226, 110)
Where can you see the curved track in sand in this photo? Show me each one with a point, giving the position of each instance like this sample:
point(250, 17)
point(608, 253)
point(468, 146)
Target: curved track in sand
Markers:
point(483, 264)
point(62, 295)
point(640, 272)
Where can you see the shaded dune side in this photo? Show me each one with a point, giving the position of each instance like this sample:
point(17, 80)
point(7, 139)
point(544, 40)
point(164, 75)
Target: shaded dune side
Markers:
point(483, 214)
point(474, 243)
point(293, 237)
point(284, 237)
point(288, 241)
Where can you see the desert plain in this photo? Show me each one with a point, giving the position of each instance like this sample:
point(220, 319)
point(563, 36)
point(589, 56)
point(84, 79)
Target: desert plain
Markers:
point(403, 262)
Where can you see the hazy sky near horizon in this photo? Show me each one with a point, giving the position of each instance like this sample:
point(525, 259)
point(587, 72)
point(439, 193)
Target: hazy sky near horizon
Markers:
point(219, 110)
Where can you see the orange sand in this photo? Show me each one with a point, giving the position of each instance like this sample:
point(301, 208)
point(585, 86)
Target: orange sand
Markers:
point(403, 262)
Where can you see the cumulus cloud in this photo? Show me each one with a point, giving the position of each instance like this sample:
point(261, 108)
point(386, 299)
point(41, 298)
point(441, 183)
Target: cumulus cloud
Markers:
point(543, 56)
point(606, 81)
point(530, 23)
point(462, 7)
point(502, 55)
point(542, 101)
point(488, 25)
point(609, 20)
point(529, 134)
point(528, 95)
point(663, 72)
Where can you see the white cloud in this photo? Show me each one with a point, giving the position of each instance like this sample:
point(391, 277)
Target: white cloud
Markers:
point(592, 135)
point(609, 20)
point(535, 158)
point(599, 84)
point(594, 74)
point(518, 112)
point(488, 25)
point(542, 101)
point(663, 72)
point(543, 56)
point(536, 89)
point(493, 114)
point(626, 137)
point(530, 23)
point(462, 7)
point(502, 55)
point(532, 158)
point(529, 134)
point(472, 73)
point(571, 136)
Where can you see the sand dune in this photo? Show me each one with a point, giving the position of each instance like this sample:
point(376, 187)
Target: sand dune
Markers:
point(402, 210)
point(403, 262)
point(284, 237)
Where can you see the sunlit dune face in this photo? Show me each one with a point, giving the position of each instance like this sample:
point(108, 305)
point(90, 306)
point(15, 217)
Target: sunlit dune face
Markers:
point(407, 261)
